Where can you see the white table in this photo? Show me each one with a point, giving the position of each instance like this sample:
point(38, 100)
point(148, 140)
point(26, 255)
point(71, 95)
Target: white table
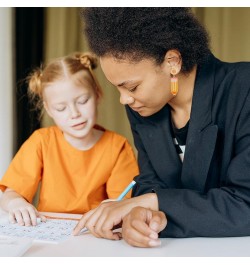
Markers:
point(88, 246)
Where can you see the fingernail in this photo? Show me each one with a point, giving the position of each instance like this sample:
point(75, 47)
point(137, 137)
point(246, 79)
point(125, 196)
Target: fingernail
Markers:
point(85, 229)
point(153, 236)
point(154, 226)
point(154, 243)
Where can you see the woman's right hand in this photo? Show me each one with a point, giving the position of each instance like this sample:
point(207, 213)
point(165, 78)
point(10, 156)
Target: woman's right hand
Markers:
point(108, 216)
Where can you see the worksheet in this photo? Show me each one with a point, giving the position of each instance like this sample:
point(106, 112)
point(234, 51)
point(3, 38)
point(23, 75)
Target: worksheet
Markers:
point(53, 230)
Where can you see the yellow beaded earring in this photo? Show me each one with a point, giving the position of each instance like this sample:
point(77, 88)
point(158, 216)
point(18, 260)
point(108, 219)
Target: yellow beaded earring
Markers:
point(174, 82)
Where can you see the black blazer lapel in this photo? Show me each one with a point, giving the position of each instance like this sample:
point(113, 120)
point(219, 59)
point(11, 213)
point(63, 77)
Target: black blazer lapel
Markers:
point(202, 134)
point(157, 140)
point(198, 156)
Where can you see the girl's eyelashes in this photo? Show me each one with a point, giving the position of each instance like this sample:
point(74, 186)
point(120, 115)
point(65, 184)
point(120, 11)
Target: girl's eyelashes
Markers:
point(60, 109)
point(83, 101)
point(79, 101)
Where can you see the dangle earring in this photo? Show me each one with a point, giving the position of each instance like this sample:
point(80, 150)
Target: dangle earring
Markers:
point(174, 82)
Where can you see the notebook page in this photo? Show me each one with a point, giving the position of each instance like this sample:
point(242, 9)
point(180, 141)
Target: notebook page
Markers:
point(53, 230)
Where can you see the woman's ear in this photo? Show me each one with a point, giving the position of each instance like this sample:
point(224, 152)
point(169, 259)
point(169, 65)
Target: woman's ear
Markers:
point(173, 61)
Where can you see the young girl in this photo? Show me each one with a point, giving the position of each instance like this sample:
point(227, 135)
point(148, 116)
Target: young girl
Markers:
point(78, 163)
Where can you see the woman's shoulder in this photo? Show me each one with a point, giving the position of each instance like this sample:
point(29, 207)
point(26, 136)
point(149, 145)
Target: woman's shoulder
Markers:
point(242, 67)
point(241, 76)
point(235, 76)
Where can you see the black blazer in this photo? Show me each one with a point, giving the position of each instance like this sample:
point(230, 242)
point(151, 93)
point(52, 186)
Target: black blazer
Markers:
point(209, 194)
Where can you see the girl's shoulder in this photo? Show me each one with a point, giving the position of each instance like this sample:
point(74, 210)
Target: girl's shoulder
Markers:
point(47, 130)
point(45, 133)
point(111, 136)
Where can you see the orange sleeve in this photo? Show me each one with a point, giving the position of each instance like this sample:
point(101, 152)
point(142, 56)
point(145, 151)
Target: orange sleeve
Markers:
point(24, 172)
point(123, 172)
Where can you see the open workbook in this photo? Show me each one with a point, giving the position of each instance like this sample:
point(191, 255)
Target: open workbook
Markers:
point(16, 239)
point(51, 231)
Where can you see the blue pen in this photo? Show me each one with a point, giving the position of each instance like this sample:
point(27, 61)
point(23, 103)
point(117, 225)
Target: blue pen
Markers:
point(122, 195)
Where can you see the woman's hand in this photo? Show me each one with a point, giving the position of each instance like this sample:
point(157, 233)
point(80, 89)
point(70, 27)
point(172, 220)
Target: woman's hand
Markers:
point(109, 215)
point(20, 211)
point(141, 226)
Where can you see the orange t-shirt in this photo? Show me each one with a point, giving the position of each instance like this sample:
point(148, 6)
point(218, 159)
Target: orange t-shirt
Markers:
point(72, 180)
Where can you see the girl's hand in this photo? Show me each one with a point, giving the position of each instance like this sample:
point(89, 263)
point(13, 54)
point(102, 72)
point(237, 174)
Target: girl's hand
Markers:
point(141, 226)
point(20, 211)
point(23, 213)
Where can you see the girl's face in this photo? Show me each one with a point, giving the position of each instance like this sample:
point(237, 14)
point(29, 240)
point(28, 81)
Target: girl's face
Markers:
point(72, 107)
point(144, 86)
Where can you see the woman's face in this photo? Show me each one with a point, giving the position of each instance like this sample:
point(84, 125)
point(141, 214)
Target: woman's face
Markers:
point(143, 85)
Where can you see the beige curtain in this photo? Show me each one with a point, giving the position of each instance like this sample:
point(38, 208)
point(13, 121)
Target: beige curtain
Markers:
point(230, 40)
point(229, 29)
point(64, 35)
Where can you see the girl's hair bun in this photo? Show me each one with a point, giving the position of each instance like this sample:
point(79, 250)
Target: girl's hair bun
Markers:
point(87, 59)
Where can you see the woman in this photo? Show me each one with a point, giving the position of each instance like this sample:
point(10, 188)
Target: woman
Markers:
point(190, 118)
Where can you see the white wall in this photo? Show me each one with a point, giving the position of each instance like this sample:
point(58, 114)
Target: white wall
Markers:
point(6, 88)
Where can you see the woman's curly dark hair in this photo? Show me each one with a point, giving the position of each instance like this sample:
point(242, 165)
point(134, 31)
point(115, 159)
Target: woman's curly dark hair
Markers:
point(137, 33)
